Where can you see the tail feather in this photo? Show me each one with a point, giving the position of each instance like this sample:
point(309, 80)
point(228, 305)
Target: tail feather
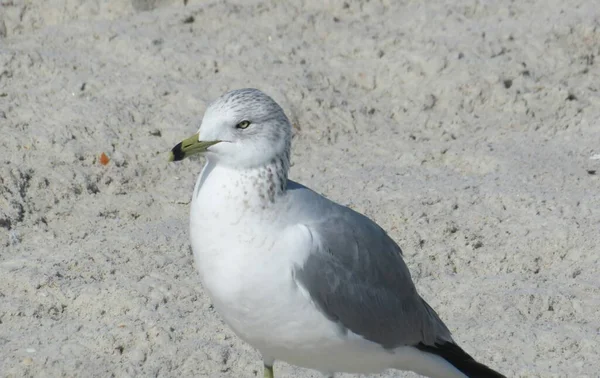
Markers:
point(460, 359)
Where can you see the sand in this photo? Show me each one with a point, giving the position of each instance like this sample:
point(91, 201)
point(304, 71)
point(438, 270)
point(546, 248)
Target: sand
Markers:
point(467, 130)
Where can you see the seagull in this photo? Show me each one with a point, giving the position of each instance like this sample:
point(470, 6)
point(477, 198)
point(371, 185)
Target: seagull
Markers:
point(299, 277)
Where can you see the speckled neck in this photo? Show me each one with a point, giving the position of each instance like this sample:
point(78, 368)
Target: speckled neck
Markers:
point(241, 189)
point(270, 181)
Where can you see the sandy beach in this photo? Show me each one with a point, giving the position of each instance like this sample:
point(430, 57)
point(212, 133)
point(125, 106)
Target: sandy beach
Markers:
point(469, 130)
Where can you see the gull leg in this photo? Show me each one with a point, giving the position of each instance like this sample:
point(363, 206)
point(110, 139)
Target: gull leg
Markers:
point(268, 371)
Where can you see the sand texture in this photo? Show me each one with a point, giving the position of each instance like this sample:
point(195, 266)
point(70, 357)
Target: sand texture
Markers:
point(467, 129)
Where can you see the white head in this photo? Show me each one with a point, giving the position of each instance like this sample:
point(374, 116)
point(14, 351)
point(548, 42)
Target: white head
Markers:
point(242, 129)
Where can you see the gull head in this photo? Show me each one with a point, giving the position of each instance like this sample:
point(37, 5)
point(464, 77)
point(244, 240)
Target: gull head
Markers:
point(243, 128)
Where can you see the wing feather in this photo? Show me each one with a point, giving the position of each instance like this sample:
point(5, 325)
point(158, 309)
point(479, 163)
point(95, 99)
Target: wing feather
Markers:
point(355, 274)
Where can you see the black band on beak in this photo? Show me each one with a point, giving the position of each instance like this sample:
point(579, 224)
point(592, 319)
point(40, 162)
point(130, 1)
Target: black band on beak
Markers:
point(177, 152)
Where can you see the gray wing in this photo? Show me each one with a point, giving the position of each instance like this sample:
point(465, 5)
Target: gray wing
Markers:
point(356, 276)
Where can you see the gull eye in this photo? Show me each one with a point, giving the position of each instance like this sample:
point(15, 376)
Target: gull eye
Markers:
point(242, 125)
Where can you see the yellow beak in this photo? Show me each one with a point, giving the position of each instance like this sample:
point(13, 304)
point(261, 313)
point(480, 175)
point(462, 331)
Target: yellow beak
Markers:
point(190, 146)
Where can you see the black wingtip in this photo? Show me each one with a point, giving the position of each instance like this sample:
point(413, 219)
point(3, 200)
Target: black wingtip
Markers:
point(460, 360)
point(177, 153)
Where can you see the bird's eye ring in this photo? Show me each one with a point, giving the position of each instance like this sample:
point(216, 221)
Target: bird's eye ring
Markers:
point(242, 125)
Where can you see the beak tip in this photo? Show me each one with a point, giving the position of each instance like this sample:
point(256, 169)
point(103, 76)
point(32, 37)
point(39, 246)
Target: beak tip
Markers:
point(176, 153)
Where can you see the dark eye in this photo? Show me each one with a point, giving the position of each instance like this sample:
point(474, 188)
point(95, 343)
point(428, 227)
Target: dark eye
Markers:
point(242, 125)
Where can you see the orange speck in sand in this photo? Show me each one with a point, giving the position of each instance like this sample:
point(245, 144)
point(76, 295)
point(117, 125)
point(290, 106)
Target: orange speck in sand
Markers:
point(104, 159)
